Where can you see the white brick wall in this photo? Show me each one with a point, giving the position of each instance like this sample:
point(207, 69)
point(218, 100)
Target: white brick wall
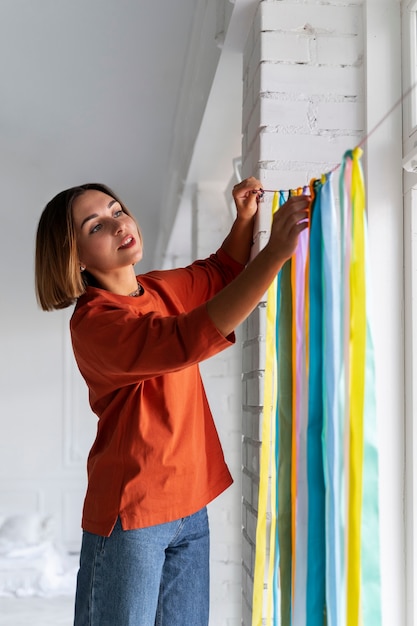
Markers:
point(302, 108)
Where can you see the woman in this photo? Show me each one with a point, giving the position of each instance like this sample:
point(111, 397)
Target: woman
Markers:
point(156, 461)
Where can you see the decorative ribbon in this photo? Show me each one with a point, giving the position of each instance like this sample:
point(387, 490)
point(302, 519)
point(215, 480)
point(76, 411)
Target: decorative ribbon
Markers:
point(319, 461)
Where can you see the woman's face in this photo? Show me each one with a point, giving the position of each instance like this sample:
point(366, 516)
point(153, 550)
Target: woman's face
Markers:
point(107, 238)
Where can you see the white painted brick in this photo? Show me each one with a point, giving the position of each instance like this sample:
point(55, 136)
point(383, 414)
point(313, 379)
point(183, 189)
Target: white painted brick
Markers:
point(247, 552)
point(256, 323)
point(253, 356)
point(249, 105)
point(244, 391)
point(274, 112)
point(251, 424)
point(341, 3)
point(253, 35)
point(251, 161)
point(246, 452)
point(253, 127)
point(341, 115)
point(313, 18)
point(338, 51)
point(259, 242)
point(255, 494)
point(246, 615)
point(254, 60)
point(281, 178)
point(291, 48)
point(247, 487)
point(246, 426)
point(311, 80)
point(253, 456)
point(251, 526)
point(254, 390)
point(264, 217)
point(320, 149)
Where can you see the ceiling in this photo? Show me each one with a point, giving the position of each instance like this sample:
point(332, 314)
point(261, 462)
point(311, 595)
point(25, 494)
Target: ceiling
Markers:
point(144, 97)
point(90, 91)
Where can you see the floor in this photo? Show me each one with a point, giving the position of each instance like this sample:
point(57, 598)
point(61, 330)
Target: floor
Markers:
point(36, 611)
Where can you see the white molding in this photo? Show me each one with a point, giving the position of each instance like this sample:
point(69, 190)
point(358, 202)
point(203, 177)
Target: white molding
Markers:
point(410, 160)
point(410, 322)
point(409, 78)
point(382, 158)
point(409, 61)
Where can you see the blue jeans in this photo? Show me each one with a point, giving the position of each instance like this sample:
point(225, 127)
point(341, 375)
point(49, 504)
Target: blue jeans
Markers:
point(156, 576)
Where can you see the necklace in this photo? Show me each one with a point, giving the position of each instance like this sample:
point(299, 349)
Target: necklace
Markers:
point(138, 291)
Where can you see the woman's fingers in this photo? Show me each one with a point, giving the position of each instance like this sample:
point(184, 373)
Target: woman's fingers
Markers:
point(246, 195)
point(247, 186)
point(289, 221)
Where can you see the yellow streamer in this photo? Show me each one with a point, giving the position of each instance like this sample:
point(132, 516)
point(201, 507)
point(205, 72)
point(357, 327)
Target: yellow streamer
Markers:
point(294, 460)
point(356, 393)
point(268, 440)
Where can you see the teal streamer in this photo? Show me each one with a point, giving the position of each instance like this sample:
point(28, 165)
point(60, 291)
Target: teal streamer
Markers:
point(315, 595)
point(332, 437)
point(276, 584)
point(344, 292)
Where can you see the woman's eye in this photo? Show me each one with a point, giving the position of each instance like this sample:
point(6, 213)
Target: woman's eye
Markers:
point(95, 228)
point(118, 213)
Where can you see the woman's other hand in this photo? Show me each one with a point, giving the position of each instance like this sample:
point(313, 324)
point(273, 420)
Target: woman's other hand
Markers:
point(288, 222)
point(246, 196)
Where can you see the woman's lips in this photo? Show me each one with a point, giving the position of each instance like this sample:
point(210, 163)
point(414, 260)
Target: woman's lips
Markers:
point(127, 242)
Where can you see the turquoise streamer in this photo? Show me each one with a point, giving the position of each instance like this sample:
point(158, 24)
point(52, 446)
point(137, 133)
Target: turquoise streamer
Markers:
point(345, 246)
point(315, 596)
point(276, 588)
point(331, 440)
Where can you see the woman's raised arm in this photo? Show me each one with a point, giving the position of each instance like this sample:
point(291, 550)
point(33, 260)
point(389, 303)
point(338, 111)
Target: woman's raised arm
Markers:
point(239, 241)
point(236, 301)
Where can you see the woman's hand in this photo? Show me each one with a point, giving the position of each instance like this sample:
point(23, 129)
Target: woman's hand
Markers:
point(288, 222)
point(246, 196)
point(237, 300)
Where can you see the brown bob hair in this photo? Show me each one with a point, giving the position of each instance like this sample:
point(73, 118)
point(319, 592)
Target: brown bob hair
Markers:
point(58, 277)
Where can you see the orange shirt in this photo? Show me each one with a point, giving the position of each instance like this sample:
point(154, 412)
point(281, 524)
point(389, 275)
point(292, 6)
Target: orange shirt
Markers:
point(157, 455)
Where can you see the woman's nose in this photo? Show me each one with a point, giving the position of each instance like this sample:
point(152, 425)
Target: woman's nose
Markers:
point(118, 227)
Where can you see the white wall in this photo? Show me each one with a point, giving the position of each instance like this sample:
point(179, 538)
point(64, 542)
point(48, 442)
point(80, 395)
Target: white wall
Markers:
point(383, 153)
point(37, 472)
